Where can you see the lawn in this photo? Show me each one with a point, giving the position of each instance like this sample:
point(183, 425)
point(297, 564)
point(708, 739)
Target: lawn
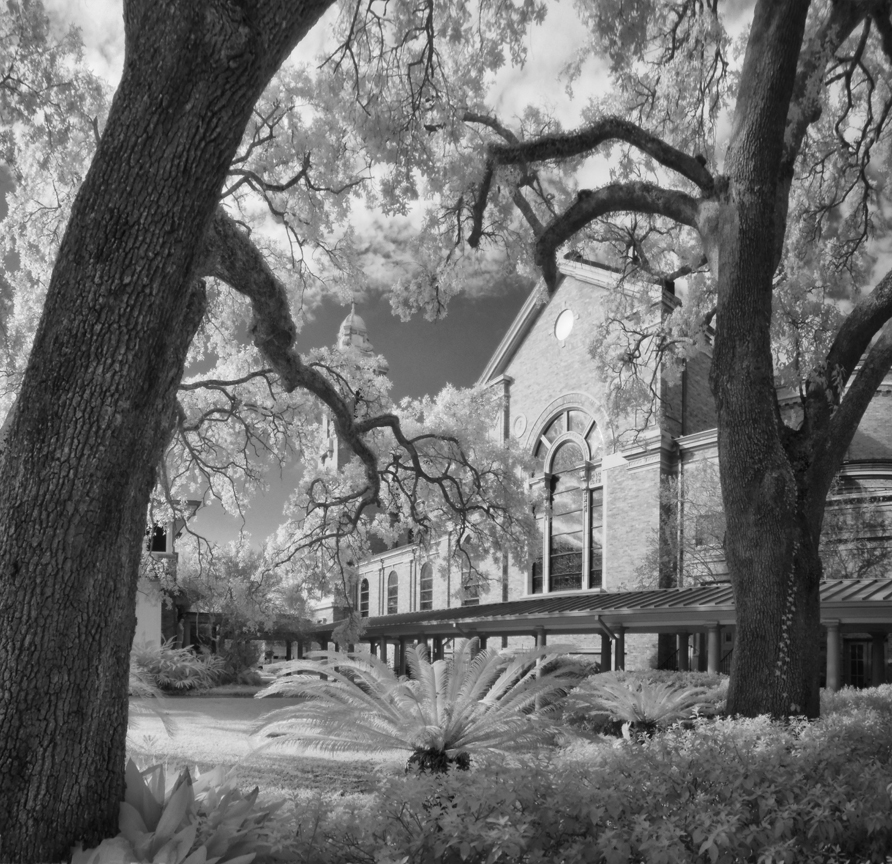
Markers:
point(216, 730)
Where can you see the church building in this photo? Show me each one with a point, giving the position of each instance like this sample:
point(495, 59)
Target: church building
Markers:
point(631, 570)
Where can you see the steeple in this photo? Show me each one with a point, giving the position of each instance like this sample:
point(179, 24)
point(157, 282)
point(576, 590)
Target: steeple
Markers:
point(353, 336)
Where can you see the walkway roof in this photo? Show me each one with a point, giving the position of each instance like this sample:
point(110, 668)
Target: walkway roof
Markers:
point(859, 605)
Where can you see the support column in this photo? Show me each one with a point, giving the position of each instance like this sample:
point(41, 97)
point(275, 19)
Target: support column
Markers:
point(383, 650)
point(401, 664)
point(373, 647)
point(300, 649)
point(438, 648)
point(682, 643)
point(620, 648)
point(714, 649)
point(482, 643)
point(287, 649)
point(605, 652)
point(877, 659)
point(834, 664)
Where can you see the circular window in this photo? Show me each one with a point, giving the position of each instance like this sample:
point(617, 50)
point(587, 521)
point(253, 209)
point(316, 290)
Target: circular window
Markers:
point(564, 324)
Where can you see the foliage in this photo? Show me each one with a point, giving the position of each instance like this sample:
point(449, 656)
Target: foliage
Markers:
point(474, 703)
point(723, 791)
point(146, 698)
point(173, 669)
point(239, 663)
point(202, 821)
point(642, 706)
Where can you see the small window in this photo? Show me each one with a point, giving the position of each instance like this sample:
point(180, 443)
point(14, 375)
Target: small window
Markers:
point(470, 586)
point(393, 593)
point(157, 539)
point(563, 325)
point(364, 598)
point(426, 588)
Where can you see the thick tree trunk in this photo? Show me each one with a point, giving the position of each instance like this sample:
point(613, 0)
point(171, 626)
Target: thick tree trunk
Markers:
point(96, 407)
point(771, 545)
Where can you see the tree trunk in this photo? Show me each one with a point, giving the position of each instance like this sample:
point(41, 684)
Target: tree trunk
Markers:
point(770, 545)
point(96, 407)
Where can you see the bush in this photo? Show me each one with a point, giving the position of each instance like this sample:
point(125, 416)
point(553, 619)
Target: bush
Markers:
point(172, 669)
point(239, 662)
point(656, 693)
point(186, 822)
point(723, 791)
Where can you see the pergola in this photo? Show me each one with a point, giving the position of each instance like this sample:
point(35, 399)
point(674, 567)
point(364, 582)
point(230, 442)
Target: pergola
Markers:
point(847, 607)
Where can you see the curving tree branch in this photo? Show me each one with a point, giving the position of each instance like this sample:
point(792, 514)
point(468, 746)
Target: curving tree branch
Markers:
point(616, 197)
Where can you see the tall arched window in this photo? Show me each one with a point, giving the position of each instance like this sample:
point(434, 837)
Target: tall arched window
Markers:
point(364, 598)
point(572, 519)
point(393, 593)
point(426, 588)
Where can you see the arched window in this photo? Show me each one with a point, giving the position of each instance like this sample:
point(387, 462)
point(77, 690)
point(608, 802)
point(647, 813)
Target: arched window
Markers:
point(364, 598)
point(426, 588)
point(572, 519)
point(393, 593)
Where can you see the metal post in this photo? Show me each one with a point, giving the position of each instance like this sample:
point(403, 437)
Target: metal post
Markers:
point(620, 648)
point(605, 652)
point(401, 664)
point(438, 647)
point(833, 656)
point(682, 643)
point(714, 649)
point(877, 659)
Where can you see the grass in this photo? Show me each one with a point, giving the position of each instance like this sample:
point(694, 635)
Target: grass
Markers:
point(215, 730)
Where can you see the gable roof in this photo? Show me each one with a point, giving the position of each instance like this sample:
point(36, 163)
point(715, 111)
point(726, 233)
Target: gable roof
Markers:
point(588, 271)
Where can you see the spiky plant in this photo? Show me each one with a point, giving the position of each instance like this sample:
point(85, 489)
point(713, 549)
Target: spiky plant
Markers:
point(644, 707)
point(443, 713)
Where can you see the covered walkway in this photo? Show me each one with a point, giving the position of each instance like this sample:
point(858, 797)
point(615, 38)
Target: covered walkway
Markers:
point(858, 610)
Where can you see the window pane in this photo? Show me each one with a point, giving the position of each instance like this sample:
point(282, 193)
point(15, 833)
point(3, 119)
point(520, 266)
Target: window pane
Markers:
point(594, 443)
point(555, 428)
point(426, 588)
point(364, 598)
point(537, 576)
point(578, 421)
point(596, 575)
point(566, 457)
point(393, 588)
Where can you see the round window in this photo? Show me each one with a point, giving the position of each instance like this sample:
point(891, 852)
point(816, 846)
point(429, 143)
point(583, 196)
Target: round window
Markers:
point(564, 324)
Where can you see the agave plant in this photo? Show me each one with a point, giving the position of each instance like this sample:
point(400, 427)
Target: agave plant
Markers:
point(442, 713)
point(643, 707)
point(205, 820)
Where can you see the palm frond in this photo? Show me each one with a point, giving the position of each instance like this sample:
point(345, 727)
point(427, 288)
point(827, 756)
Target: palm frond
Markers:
point(475, 702)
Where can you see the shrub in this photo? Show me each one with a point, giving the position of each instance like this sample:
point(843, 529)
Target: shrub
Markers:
point(172, 669)
point(239, 662)
point(646, 700)
point(184, 822)
point(474, 703)
point(722, 791)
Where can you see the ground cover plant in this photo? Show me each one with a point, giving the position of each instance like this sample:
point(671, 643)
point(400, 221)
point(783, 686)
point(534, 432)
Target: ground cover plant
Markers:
point(726, 790)
point(442, 714)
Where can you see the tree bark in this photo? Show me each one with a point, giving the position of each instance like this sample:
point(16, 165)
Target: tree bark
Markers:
point(97, 406)
point(771, 543)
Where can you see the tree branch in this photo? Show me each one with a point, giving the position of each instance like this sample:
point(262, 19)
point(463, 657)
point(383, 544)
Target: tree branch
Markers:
point(569, 144)
point(639, 197)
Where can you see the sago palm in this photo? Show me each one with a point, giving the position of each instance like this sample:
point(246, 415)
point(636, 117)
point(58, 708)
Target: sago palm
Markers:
point(645, 707)
point(442, 713)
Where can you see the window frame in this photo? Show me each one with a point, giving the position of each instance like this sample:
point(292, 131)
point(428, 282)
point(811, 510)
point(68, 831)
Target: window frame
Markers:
point(426, 587)
point(545, 449)
point(364, 598)
point(393, 593)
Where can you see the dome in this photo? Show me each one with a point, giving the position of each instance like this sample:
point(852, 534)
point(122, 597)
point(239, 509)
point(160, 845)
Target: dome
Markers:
point(353, 335)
